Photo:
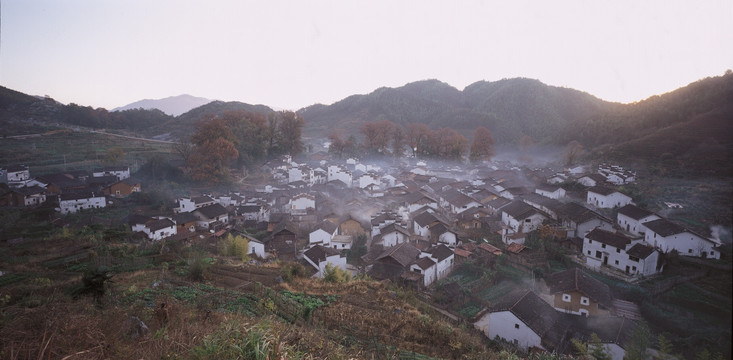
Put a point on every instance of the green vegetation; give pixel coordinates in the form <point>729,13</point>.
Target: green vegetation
<point>234,246</point>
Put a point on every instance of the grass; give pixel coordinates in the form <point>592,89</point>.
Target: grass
<point>74,150</point>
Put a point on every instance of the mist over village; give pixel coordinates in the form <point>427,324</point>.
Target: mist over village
<point>367,196</point>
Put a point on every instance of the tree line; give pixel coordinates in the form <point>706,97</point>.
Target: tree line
<point>242,139</point>
<point>385,138</point>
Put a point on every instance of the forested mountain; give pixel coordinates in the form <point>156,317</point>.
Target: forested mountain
<point>509,108</point>
<point>173,105</point>
<point>184,125</point>
<point>687,128</point>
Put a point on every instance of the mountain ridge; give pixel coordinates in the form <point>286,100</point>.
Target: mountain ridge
<point>172,105</point>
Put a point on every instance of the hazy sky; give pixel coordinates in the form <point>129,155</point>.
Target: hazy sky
<point>290,54</point>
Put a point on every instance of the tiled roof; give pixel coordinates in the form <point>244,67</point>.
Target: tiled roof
<point>609,238</point>
<point>577,280</point>
<point>640,251</point>
<point>212,211</point>
<point>405,254</point>
<point>634,212</point>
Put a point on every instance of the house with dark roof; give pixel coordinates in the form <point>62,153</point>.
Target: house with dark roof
<point>25,196</point>
<point>615,333</point>
<point>320,256</point>
<point>209,215</point>
<point>606,198</point>
<point>122,188</point>
<point>185,222</point>
<point>608,249</point>
<point>580,220</point>
<point>527,321</point>
<point>550,191</point>
<point>120,172</point>
<point>73,202</point>
<point>592,180</point>
<point>323,233</point>
<point>519,218</point>
<point>631,218</point>
<point>160,229</point>
<point>393,261</point>
<point>576,292</point>
<point>391,235</point>
<point>193,203</point>
<point>667,236</point>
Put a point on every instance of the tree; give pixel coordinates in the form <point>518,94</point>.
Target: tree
<point>482,147</point>
<point>290,129</point>
<point>113,156</point>
<point>593,349</point>
<point>417,137</point>
<point>338,144</point>
<point>210,162</point>
<point>640,341</point>
<point>234,246</point>
<point>526,144</point>
<point>335,274</point>
<point>399,140</point>
<point>572,151</point>
<point>377,136</point>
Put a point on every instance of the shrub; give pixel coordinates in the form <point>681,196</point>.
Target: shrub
<point>234,246</point>
<point>291,271</point>
<point>197,267</point>
<point>335,274</point>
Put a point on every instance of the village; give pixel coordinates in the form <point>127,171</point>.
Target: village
<point>416,223</point>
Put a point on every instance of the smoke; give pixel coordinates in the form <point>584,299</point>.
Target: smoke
<point>722,233</point>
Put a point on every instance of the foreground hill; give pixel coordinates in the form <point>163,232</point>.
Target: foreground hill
<point>173,105</point>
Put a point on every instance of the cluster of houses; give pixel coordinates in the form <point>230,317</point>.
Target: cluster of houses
<point>574,305</point>
<point>70,191</point>
<point>417,222</point>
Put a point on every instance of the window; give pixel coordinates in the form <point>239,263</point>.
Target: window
<point>689,251</point>
<point>603,246</point>
<point>516,326</point>
<point>527,220</point>
<point>566,297</point>
<point>618,251</point>
<point>590,241</point>
<point>616,262</point>
<point>598,254</point>
<point>584,300</point>
<point>588,252</point>
<point>633,268</point>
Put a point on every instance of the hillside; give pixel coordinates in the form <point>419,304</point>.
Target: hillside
<point>509,108</point>
<point>183,126</point>
<point>173,105</point>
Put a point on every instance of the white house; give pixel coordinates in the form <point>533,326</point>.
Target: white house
<point>550,191</point>
<point>521,318</point>
<point>441,233</point>
<point>323,233</point>
<point>581,220</point>
<point>606,198</point>
<point>299,204</point>
<point>368,179</point>
<point>254,212</point>
<point>633,257</point>
<point>391,235</point>
<point>521,217</point>
<point>16,174</point>
<point>159,229</point>
<point>73,202</point>
<point>256,247</point>
<point>632,218</point>
<point>121,172</point>
<point>207,216</point>
<point>320,256</point>
<point>421,224</point>
<point>592,180</point>
<point>193,203</point>
<point>667,236</point>
<point>340,173</point>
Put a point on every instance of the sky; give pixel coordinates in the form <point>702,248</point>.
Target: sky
<point>291,54</point>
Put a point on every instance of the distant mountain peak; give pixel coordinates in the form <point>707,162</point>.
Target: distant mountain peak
<point>172,105</point>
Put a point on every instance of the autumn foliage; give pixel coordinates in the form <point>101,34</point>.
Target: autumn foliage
<point>243,139</point>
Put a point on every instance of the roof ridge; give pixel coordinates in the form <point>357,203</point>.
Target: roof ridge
<point>520,299</point>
